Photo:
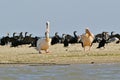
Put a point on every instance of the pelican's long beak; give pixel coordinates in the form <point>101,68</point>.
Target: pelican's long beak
<point>47,26</point>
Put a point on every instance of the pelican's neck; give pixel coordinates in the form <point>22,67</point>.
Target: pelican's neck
<point>89,33</point>
<point>46,35</point>
<point>47,31</point>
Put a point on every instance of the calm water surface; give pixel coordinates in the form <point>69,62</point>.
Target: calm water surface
<point>60,72</point>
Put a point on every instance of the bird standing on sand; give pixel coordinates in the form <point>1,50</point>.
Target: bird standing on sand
<point>87,39</point>
<point>44,44</point>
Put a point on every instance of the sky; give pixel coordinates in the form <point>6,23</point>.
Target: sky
<point>65,16</point>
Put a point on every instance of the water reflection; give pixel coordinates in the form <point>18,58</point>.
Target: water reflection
<point>60,72</point>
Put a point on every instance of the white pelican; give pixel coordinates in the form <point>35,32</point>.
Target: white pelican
<point>44,44</point>
<point>87,39</point>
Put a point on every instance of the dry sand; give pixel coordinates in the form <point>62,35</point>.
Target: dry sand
<point>74,54</point>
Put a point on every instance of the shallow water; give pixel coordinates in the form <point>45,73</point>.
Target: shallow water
<point>60,72</point>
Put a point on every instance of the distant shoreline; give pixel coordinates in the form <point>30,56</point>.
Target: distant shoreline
<point>34,64</point>
<point>62,64</point>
